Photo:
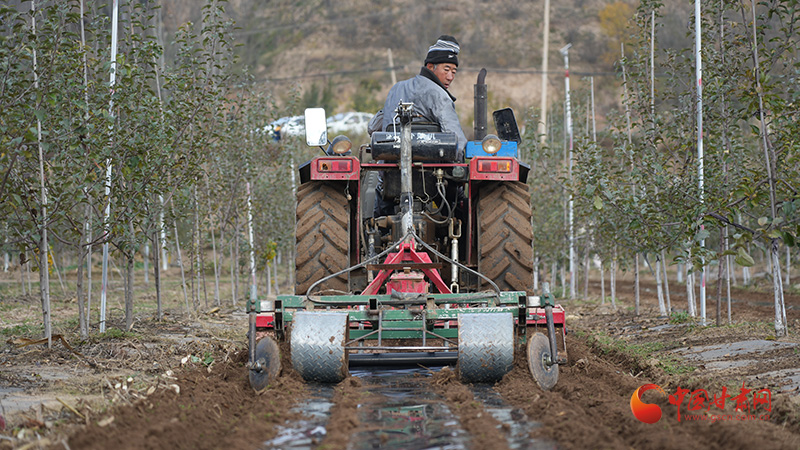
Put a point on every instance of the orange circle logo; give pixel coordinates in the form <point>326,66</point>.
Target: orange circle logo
<point>645,412</point>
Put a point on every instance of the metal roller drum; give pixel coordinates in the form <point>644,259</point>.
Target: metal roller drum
<point>485,346</point>
<point>317,343</point>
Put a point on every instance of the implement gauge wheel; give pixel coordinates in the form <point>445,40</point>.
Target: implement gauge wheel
<point>317,342</point>
<point>323,215</point>
<point>505,236</point>
<point>546,376</point>
<point>268,361</point>
<point>485,346</point>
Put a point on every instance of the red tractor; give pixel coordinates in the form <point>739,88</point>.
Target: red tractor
<point>440,271</point>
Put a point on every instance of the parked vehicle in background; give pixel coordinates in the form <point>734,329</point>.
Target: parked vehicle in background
<point>349,123</point>
<point>290,126</point>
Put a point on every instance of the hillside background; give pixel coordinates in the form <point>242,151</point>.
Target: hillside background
<point>335,53</point>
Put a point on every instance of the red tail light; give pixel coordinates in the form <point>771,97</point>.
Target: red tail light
<point>334,165</point>
<point>495,165</point>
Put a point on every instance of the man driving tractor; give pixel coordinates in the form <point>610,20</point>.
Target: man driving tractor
<point>433,103</point>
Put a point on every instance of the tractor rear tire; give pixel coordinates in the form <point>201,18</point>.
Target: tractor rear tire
<point>323,237</point>
<point>505,236</point>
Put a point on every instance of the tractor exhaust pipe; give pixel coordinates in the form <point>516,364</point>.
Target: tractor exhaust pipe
<point>481,108</point>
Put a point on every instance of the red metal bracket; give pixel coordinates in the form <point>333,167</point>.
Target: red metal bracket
<point>265,320</point>
<point>406,253</point>
<point>559,316</point>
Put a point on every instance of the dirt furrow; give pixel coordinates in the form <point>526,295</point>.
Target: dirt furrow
<point>209,410</point>
<point>486,431</point>
<point>590,408</point>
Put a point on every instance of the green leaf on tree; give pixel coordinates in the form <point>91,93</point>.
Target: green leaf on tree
<point>788,239</point>
<point>598,203</point>
<point>744,259</point>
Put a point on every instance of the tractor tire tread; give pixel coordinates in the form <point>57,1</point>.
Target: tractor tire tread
<point>322,245</point>
<point>505,236</point>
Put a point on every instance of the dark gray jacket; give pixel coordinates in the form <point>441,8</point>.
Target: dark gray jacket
<point>431,101</point>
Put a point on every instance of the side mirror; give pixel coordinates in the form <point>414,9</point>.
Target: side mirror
<point>316,127</point>
<point>506,125</point>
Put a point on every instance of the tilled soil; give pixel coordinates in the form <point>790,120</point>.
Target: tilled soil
<point>486,431</point>
<point>198,405</point>
<point>344,414</point>
<point>211,410</point>
<point>590,408</point>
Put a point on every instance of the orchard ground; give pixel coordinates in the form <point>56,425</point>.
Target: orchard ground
<point>181,382</point>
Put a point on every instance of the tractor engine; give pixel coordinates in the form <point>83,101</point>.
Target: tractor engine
<point>438,192</point>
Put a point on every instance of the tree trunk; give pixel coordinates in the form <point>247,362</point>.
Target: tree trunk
<point>777,289</point>
<point>236,249</point>
<point>203,276</point>
<point>89,263</point>
<point>636,284</point>
<point>690,294</point>
<point>130,256</point>
<point>719,281</point>
<point>728,272</point>
<point>180,264</point>
<point>84,330</point>
<point>196,267</point>
<point>662,306</point>
<point>28,277</point>
<point>771,161</point>
<point>234,284</point>
<point>162,233</point>
<point>613,280</point>
<point>58,274</point>
<point>6,257</point>
<point>656,272</point>
<point>586,261</point>
<point>146,260</point>
<point>602,284</point>
<point>666,280</point>
<point>290,270</point>
<point>277,283</point>
<point>129,291</point>
<point>157,277</point>
<point>22,272</point>
<point>192,260</point>
<point>44,268</point>
<point>788,281</point>
<point>44,289</point>
<point>746,270</point>
<point>213,246</point>
<point>269,279</point>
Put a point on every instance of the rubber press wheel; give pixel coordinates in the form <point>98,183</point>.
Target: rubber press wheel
<point>269,361</point>
<point>546,376</point>
<point>323,214</point>
<point>505,236</point>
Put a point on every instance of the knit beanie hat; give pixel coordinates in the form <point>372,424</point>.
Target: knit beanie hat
<point>445,50</point>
